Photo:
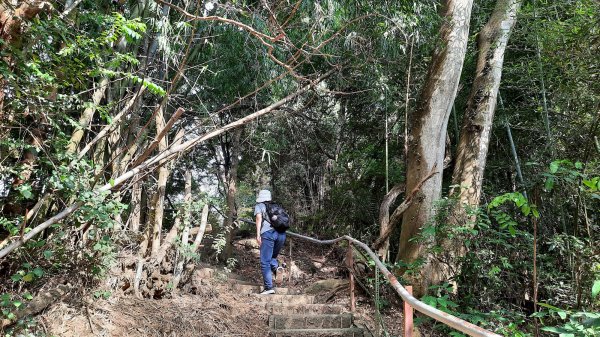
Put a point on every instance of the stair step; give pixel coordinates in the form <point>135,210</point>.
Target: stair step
<point>288,299</point>
<point>255,289</point>
<point>349,332</point>
<point>303,309</point>
<point>310,321</point>
<point>233,281</point>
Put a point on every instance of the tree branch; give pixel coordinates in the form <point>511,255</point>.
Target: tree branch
<point>394,219</point>
<point>159,159</point>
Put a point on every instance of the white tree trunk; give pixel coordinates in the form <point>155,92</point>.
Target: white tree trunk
<point>475,135</point>
<point>428,128</point>
<point>163,175</point>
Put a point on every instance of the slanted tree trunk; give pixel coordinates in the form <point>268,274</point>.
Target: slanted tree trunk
<point>475,134</point>
<point>87,116</point>
<point>428,130</point>
<point>384,219</point>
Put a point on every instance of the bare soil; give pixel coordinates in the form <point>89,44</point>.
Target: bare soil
<point>212,309</point>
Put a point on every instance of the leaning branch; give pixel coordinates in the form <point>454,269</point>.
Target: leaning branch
<point>394,219</point>
<point>160,158</point>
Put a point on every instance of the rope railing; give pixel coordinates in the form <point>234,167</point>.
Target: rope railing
<point>438,315</point>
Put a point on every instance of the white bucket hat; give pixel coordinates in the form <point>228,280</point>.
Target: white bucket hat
<point>263,195</point>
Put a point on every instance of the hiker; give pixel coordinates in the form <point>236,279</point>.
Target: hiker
<point>270,241</point>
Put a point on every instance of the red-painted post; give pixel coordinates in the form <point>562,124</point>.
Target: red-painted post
<point>408,316</point>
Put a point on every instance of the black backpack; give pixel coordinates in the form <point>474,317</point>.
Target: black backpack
<point>277,217</point>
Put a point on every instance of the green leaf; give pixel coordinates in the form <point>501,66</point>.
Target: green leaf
<point>549,184</point>
<point>17,304</point>
<point>554,166</point>
<point>27,296</point>
<point>526,210</point>
<point>48,254</point>
<point>596,289</point>
<point>562,314</point>
<point>549,306</point>
<point>512,230</point>
<point>28,277</point>
<point>578,165</point>
<point>39,272</point>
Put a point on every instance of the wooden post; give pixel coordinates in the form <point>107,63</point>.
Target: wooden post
<point>350,261</point>
<point>289,268</point>
<point>408,316</point>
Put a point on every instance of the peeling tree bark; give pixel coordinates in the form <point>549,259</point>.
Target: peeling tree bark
<point>163,175</point>
<point>428,132</point>
<point>475,135</point>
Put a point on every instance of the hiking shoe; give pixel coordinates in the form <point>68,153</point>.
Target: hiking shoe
<point>279,275</point>
<point>268,292</point>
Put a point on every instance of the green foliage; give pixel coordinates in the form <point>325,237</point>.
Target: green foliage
<point>577,323</point>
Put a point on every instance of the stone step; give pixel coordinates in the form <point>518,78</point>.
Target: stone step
<point>233,281</point>
<point>349,332</point>
<point>280,322</point>
<point>287,299</point>
<point>303,309</point>
<point>255,289</point>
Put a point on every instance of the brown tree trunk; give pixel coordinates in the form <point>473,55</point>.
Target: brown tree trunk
<point>475,134</point>
<point>428,130</point>
<point>231,192</point>
<point>136,205</point>
<point>182,220</point>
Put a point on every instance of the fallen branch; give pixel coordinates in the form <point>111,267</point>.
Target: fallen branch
<point>160,158</point>
<point>160,136</point>
<point>38,304</point>
<point>395,218</point>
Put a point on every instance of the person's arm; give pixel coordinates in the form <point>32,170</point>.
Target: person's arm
<point>258,223</point>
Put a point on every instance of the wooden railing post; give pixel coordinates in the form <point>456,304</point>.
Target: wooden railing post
<point>350,262</point>
<point>289,267</point>
<point>408,316</point>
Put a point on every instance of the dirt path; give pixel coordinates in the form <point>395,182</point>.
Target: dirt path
<point>210,307</point>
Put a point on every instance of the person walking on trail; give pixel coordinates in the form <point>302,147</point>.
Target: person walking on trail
<point>270,241</point>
